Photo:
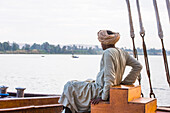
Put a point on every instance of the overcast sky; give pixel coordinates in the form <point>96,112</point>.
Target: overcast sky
<point>78,21</point>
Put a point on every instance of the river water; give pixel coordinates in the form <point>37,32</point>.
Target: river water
<point>48,74</point>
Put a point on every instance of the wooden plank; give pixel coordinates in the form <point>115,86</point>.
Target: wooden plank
<point>100,108</point>
<point>17,108</point>
<point>151,106</point>
<point>142,100</point>
<point>134,108</point>
<point>163,109</point>
<point>126,87</point>
<point>34,109</point>
<point>20,102</point>
<point>31,107</point>
<point>13,94</point>
<point>134,93</point>
<point>119,97</point>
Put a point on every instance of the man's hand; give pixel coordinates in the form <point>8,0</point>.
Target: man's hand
<point>95,100</point>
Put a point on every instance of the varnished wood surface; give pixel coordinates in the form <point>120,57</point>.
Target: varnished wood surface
<point>120,101</point>
<point>20,102</point>
<point>158,111</point>
<point>45,104</point>
<point>151,106</point>
<point>142,100</point>
<point>35,110</point>
<point>124,87</point>
<point>163,109</point>
<point>13,94</point>
<point>134,93</point>
<point>31,107</point>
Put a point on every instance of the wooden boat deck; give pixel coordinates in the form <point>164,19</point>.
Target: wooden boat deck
<point>131,102</point>
<point>31,103</point>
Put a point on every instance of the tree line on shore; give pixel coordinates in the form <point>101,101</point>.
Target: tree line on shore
<point>46,48</point>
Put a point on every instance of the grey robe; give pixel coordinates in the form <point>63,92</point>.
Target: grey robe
<point>77,94</point>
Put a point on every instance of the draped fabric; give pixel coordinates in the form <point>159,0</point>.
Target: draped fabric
<point>105,38</point>
<point>77,94</point>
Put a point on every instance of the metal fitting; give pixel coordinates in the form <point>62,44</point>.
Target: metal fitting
<point>3,91</point>
<point>20,92</point>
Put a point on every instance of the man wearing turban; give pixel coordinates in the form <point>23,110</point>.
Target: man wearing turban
<point>78,95</point>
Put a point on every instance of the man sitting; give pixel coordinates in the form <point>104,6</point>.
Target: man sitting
<point>78,95</point>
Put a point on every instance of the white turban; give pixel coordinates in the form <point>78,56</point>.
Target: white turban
<point>105,38</point>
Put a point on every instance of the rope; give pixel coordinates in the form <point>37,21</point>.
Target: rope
<point>168,8</point>
<point>132,34</point>
<point>160,33</point>
<point>130,20</point>
<point>142,34</point>
<point>142,31</point>
<point>165,62</point>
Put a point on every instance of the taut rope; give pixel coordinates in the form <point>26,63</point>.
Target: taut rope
<point>160,33</point>
<point>168,8</point>
<point>135,54</point>
<point>142,34</point>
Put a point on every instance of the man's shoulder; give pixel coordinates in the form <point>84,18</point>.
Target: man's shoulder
<point>114,50</point>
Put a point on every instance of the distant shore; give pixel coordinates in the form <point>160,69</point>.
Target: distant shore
<point>46,48</point>
<point>77,53</point>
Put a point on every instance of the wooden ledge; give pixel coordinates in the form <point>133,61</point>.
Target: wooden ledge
<point>83,112</point>
<point>31,107</point>
<point>125,87</point>
<point>142,100</point>
<point>26,98</point>
<point>126,99</point>
<point>167,109</point>
<point>104,102</point>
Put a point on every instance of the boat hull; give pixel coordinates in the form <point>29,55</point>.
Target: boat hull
<point>35,103</point>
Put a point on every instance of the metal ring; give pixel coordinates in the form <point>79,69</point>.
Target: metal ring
<point>142,34</point>
<point>152,94</point>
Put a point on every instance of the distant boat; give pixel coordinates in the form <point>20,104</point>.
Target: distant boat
<point>73,56</point>
<point>42,56</point>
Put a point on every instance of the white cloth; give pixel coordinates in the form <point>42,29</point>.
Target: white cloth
<point>105,38</point>
<point>63,111</point>
<point>77,94</point>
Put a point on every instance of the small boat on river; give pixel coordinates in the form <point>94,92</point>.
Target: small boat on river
<point>73,56</point>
